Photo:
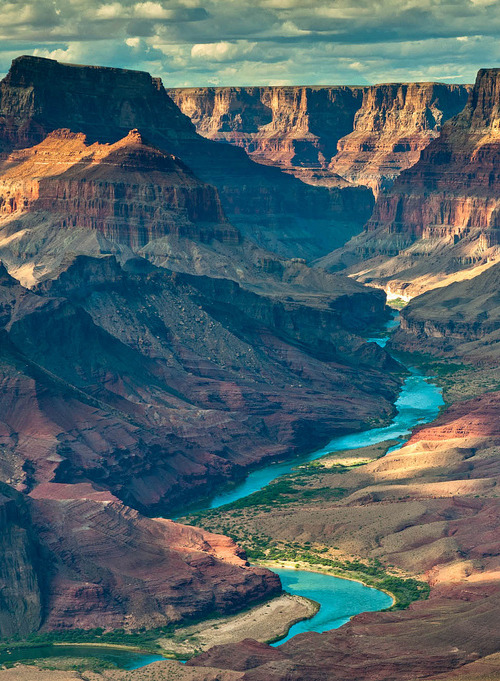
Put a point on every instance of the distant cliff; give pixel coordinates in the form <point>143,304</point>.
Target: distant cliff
<point>441,216</point>
<point>366,135</point>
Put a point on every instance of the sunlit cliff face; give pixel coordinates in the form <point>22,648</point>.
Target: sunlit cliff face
<point>223,42</point>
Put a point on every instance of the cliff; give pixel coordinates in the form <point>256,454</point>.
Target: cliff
<point>39,96</point>
<point>439,221</point>
<point>290,127</point>
<point>460,320</point>
<point>365,135</point>
<point>394,123</point>
<point>21,571</point>
<point>153,414</point>
<point>108,566</point>
<point>74,557</point>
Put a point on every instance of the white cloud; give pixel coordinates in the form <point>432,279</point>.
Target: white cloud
<point>261,41</point>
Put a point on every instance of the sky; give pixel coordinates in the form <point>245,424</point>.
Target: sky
<point>261,42</point>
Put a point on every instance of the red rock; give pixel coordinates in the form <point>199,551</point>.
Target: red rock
<point>365,135</point>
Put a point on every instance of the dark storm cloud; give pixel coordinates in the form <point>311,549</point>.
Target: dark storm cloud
<point>261,41</point>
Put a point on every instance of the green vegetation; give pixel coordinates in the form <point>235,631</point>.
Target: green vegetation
<point>145,640</point>
<point>397,303</point>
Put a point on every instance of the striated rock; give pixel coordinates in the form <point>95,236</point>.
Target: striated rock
<point>129,191</point>
<point>110,567</point>
<point>365,135</point>
<point>290,127</point>
<point>74,557</point>
<point>21,575</point>
<point>270,207</point>
<point>439,221</point>
<point>394,123</point>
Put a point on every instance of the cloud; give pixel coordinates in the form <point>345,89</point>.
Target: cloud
<point>196,42</point>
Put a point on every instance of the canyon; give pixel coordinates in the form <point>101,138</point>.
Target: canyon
<point>151,352</point>
<point>162,334</point>
<point>268,206</point>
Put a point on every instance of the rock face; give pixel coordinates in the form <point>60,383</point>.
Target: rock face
<point>128,191</point>
<point>39,96</point>
<point>21,604</point>
<point>459,320</point>
<point>395,122</point>
<point>441,215</point>
<point>171,417</point>
<point>365,135</point>
<point>284,126</point>
<point>111,567</point>
<point>74,557</point>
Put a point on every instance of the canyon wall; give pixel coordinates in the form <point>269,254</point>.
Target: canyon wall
<point>365,135</point>
<point>439,221</point>
<point>461,320</point>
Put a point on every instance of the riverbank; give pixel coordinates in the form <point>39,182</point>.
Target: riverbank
<point>266,623</point>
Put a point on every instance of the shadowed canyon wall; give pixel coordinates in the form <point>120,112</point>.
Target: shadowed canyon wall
<point>270,207</point>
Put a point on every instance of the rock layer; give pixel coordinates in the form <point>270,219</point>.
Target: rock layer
<point>394,124</point>
<point>271,208</point>
<point>128,191</point>
<point>152,413</point>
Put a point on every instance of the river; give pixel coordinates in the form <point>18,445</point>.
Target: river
<point>418,402</point>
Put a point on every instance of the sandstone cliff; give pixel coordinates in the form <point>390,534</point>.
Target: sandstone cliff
<point>439,221</point>
<point>270,207</point>
<point>129,191</point>
<point>365,135</point>
<point>283,126</point>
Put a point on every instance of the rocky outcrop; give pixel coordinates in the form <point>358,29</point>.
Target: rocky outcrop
<point>110,567</point>
<point>39,96</point>
<point>74,557</point>
<point>441,216</point>
<point>366,135</point>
